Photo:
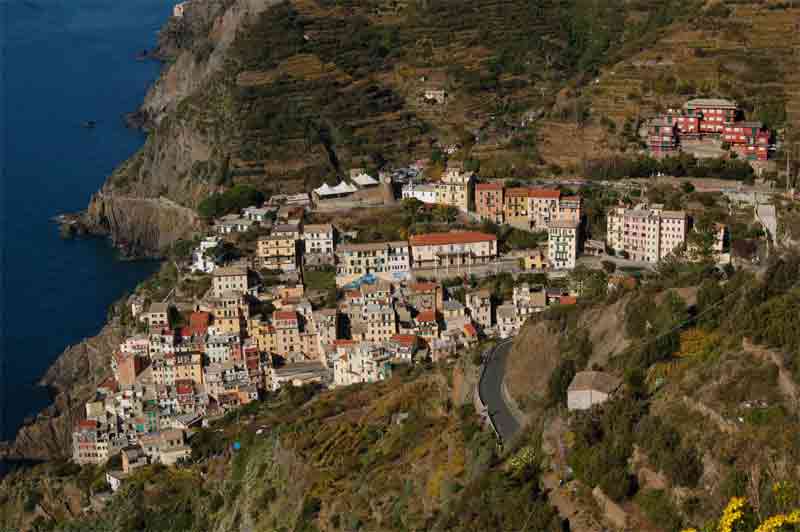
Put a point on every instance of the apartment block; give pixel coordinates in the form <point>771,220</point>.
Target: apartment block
<point>456,188</point>
<point>389,261</point>
<point>489,202</point>
<point>562,243</point>
<point>646,232</point>
<point>458,248</point>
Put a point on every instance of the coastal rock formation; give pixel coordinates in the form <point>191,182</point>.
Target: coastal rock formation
<point>73,379</point>
<point>196,44</point>
<point>140,226</point>
<point>146,204</point>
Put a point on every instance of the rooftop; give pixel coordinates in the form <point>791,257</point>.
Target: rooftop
<point>427,316</point>
<point>230,271</point>
<point>373,246</point>
<point>489,186</point>
<point>720,103</point>
<point>594,380</point>
<point>318,228</point>
<point>456,237</point>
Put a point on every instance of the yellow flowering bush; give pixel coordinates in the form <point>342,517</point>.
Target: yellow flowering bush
<point>776,522</point>
<point>732,513</point>
<point>738,517</point>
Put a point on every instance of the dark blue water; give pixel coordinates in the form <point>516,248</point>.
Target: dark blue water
<point>64,62</point>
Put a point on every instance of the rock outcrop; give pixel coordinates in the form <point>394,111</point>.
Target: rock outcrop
<point>139,226</point>
<point>73,379</point>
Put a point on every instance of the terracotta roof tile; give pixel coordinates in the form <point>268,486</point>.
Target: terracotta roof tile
<point>427,316</point>
<point>457,237</point>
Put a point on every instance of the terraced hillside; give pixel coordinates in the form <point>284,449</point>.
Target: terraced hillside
<point>748,51</point>
<point>309,88</point>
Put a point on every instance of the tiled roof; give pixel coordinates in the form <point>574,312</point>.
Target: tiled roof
<point>544,193</point>
<point>424,287</point>
<point>285,315</point>
<point>489,186</point>
<point>405,339</point>
<point>457,237</point>
<point>594,380</point>
<point>568,300</point>
<point>427,316</point>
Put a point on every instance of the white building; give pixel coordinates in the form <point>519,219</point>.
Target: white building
<point>318,238</point>
<point>424,193</point>
<point>589,388</point>
<point>562,243</point>
<point>179,9</point>
<point>257,214</point>
<point>201,259</point>
<point>508,321</point>
<point>232,223</point>
<point>363,362</point>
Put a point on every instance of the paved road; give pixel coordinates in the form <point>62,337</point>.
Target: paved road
<point>492,395</point>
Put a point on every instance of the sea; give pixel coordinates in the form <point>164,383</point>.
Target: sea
<point>63,63</point>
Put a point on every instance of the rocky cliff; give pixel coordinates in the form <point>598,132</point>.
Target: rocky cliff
<point>73,379</point>
<point>147,203</point>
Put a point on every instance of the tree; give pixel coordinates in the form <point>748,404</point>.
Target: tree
<point>559,381</point>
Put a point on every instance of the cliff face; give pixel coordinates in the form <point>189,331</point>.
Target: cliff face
<point>73,379</point>
<point>197,46</point>
<point>146,204</point>
<point>140,226</point>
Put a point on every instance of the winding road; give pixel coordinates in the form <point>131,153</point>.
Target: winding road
<point>491,391</point>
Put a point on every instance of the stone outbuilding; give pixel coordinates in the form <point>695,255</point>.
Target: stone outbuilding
<point>589,388</point>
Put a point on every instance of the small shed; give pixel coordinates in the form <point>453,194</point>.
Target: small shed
<point>589,388</point>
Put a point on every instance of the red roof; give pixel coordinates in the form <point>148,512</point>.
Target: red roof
<point>184,389</point>
<point>568,300</point>
<point>517,192</point>
<point>198,322</point>
<point>344,342</point>
<point>87,424</point>
<point>544,193</point>
<point>470,330</point>
<point>571,198</point>
<point>456,237</point>
<point>489,186</point>
<point>185,332</point>
<point>405,339</point>
<point>285,315</point>
<point>424,287</point>
<point>427,315</point>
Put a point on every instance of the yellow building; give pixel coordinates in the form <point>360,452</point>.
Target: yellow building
<point>189,366</point>
<point>456,188</point>
<point>278,252</point>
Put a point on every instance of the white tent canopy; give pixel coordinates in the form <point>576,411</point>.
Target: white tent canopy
<point>339,190</point>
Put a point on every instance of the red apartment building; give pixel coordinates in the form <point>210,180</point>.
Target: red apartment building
<point>489,201</point>
<point>662,136</point>
<point>712,112</point>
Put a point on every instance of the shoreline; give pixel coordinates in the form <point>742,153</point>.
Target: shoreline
<point>45,435</point>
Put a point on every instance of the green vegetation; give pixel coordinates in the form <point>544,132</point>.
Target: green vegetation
<point>619,167</point>
<point>232,200</point>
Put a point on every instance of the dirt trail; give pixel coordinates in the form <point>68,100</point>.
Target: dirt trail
<point>788,387</point>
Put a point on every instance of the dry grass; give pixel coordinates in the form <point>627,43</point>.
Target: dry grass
<point>532,359</point>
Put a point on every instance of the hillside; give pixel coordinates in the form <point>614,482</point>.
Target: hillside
<point>286,95</point>
<point>399,455</point>
<point>710,405</point>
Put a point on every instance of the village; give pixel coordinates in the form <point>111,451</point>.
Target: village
<point>291,299</point>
